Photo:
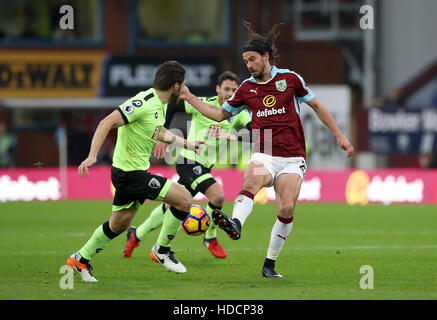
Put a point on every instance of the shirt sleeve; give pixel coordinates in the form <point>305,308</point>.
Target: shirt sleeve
<point>189,108</point>
<point>132,109</point>
<point>241,119</point>
<point>303,92</point>
<point>235,104</point>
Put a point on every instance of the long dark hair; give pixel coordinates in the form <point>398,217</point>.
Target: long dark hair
<point>263,43</point>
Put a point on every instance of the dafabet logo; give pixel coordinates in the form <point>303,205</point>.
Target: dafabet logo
<point>269,101</point>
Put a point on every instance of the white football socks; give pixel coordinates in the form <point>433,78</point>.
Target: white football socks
<point>243,206</point>
<point>280,231</point>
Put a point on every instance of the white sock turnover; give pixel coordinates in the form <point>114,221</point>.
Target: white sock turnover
<point>243,206</point>
<point>280,231</point>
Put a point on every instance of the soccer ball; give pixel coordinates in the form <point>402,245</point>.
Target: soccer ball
<point>197,222</point>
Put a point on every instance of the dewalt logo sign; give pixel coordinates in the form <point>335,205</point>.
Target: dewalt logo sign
<point>49,74</point>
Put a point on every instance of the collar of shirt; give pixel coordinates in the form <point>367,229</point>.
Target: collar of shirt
<point>273,73</point>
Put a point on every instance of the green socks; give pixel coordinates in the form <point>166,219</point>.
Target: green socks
<point>153,222</point>
<point>170,226</point>
<point>212,230</point>
<point>98,241</point>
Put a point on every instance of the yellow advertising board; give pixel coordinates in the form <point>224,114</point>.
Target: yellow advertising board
<point>50,74</point>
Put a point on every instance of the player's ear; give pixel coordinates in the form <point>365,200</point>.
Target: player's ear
<point>266,56</point>
<point>217,89</point>
<point>179,85</point>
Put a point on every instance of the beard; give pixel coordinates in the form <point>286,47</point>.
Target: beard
<point>222,98</point>
<point>260,74</point>
<point>174,98</point>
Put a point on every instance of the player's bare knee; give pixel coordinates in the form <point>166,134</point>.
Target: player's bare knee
<point>217,199</point>
<point>215,194</point>
<point>120,221</point>
<point>286,210</point>
<point>248,182</point>
<point>252,185</point>
<point>185,202</point>
<point>119,226</point>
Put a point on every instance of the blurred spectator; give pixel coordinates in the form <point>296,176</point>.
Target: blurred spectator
<point>429,160</point>
<point>393,99</point>
<point>8,143</point>
<point>378,102</point>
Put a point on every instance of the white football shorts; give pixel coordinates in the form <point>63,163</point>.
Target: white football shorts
<point>279,165</point>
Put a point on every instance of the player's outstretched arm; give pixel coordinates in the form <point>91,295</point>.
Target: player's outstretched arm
<point>159,149</point>
<point>169,137</point>
<point>328,120</point>
<point>112,121</point>
<point>208,110</point>
<point>172,109</point>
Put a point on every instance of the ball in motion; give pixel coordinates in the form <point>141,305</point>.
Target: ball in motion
<point>196,222</point>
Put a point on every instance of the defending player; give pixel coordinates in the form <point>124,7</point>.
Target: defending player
<point>195,169</point>
<point>139,121</point>
<point>273,96</point>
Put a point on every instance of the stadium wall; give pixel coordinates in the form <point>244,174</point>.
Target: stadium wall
<point>405,39</point>
<point>355,187</point>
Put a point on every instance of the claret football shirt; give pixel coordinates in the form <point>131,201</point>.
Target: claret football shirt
<point>275,110</point>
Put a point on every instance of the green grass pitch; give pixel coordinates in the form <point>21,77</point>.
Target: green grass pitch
<point>321,259</point>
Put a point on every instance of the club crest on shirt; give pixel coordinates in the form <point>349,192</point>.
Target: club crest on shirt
<point>197,170</point>
<point>137,103</point>
<point>281,85</point>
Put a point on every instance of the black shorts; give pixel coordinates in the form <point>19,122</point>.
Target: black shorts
<point>194,177</point>
<point>137,186</point>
